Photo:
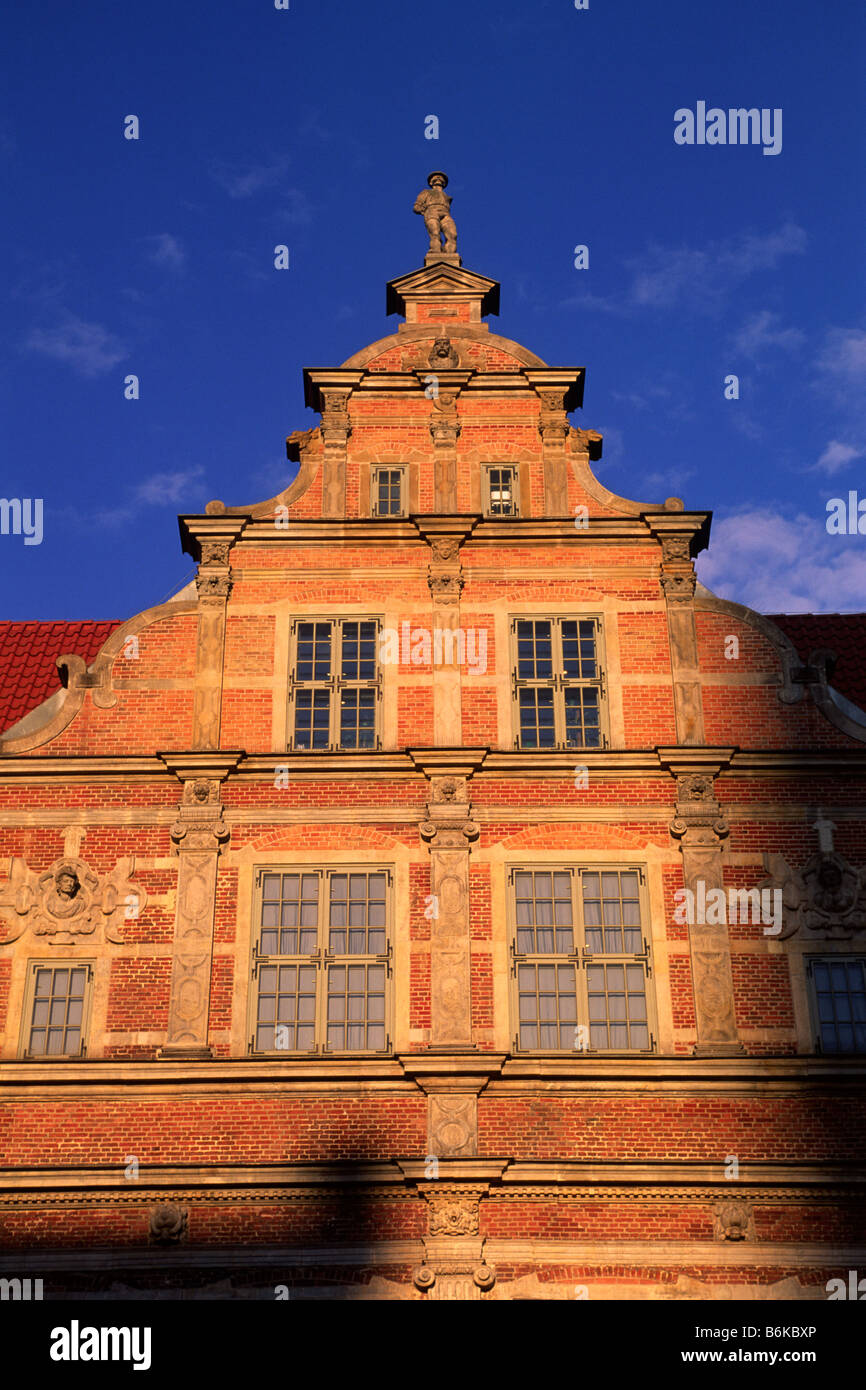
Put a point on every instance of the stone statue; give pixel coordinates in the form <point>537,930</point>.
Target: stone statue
<point>434,205</point>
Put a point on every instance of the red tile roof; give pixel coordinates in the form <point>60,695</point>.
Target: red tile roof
<point>843,633</point>
<point>27,655</point>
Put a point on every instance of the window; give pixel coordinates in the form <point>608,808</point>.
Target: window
<point>501,491</point>
<point>55,1010</point>
<point>335,685</point>
<point>558,682</point>
<point>387,497</point>
<point>839,1003</point>
<point>580,961</point>
<point>322,961</point>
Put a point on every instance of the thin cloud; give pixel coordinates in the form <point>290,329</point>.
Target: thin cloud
<point>158,490</point>
<point>762,334</point>
<point>166,250</point>
<point>296,208</point>
<point>245,180</point>
<point>169,487</point>
<point>695,278</point>
<point>700,278</point>
<point>779,563</point>
<point>837,456</point>
<point>89,348</point>
<point>842,361</point>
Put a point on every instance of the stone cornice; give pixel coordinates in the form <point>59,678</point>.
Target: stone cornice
<point>504,1179</point>
<point>518,1075</point>
<point>304,532</point>
<point>612,762</point>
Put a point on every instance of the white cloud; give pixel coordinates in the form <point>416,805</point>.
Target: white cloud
<point>88,348</point>
<point>169,487</point>
<point>784,564</point>
<point>762,333</point>
<point>843,358</point>
<point>166,250</point>
<point>837,456</point>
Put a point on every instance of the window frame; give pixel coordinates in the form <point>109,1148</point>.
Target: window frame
<point>515,491</point>
<point>831,958</point>
<point>29,1001</point>
<point>375,470</point>
<point>322,959</point>
<point>559,681</point>
<point>335,684</point>
<point>580,957</point>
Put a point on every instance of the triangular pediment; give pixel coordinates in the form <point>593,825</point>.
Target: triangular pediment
<point>439,280</point>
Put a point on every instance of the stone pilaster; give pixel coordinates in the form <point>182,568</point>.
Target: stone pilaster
<point>678,585</point>
<point>213,584</point>
<point>449,832</point>
<point>444,431</point>
<point>553,427</point>
<point>701,829</point>
<point>198,835</point>
<point>445,580</point>
<point>335,435</point>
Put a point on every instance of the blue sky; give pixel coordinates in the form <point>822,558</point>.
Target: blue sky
<point>306,127</point>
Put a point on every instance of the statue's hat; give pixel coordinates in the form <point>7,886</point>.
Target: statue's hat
<point>437,173</point>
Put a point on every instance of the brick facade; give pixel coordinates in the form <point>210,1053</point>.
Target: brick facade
<point>718,1161</point>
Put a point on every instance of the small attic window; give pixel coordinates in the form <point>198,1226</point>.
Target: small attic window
<point>501,498</point>
<point>388,492</point>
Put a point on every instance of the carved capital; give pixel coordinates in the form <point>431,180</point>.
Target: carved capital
<point>213,584</point>
<point>215,553</point>
<point>678,586</point>
<point>445,432</point>
<point>452,1212</point>
<point>445,588</point>
<point>335,425</point>
<point>446,835</point>
<point>675,550</point>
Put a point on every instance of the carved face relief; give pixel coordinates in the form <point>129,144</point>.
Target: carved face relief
<point>68,900</point>
<point>676,549</point>
<point>445,547</point>
<point>694,788</point>
<point>443,355</point>
<point>168,1224</point>
<point>733,1221</point>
